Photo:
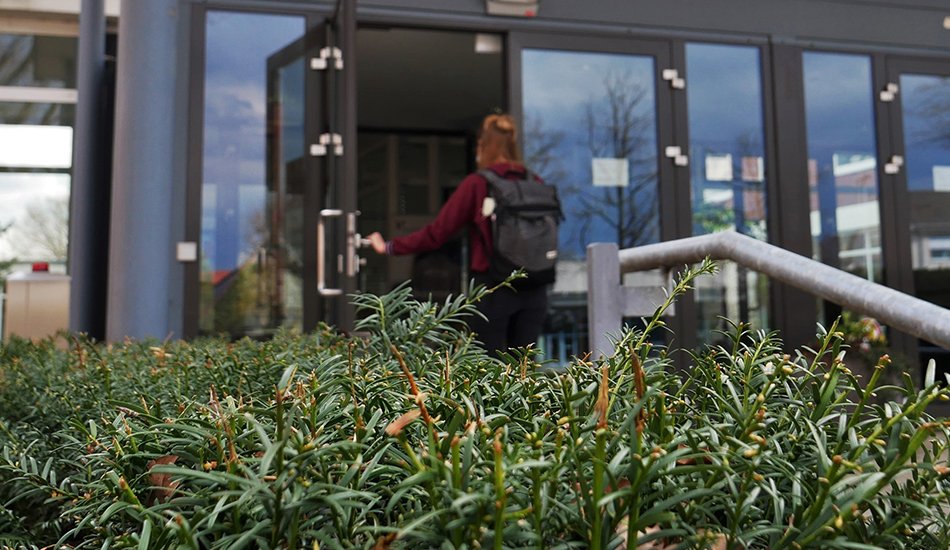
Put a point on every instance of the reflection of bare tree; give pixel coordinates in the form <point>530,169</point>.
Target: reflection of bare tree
<point>5,265</point>
<point>44,230</point>
<point>619,125</point>
<point>541,150</point>
<point>933,105</point>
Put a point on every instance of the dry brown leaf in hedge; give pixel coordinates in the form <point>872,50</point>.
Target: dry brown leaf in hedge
<point>396,426</point>
<point>162,485</point>
<point>383,542</point>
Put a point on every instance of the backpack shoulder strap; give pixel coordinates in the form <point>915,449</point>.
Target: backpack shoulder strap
<point>490,176</point>
<point>495,182</point>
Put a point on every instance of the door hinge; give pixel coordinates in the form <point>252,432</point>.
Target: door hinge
<point>326,54</point>
<point>889,92</point>
<point>894,165</point>
<point>319,149</point>
<point>676,153</point>
<point>673,77</point>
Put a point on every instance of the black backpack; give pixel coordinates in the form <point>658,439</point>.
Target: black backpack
<point>524,228</point>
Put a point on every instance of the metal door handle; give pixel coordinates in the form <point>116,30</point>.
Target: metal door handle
<point>321,253</point>
<point>352,242</point>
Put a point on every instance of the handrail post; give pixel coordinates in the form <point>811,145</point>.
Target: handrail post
<point>604,299</point>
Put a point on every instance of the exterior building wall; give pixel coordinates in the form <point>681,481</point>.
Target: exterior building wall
<point>154,203</point>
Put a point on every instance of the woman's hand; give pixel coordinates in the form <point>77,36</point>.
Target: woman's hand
<point>377,242</point>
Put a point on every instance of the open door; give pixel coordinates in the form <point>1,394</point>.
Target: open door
<point>277,117</point>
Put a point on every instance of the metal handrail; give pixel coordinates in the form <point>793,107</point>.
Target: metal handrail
<point>901,311</point>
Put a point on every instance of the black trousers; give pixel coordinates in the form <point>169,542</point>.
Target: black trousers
<point>514,316</point>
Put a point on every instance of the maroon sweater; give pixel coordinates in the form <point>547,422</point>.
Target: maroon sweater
<point>463,208</point>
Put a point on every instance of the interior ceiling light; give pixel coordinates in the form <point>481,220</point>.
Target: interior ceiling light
<point>512,8</point>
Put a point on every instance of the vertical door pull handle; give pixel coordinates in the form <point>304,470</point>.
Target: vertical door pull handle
<point>322,252</point>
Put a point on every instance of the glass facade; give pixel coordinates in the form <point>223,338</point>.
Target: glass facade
<point>36,144</point>
<point>251,194</point>
<point>35,162</point>
<point>727,175</point>
<point>590,127</point>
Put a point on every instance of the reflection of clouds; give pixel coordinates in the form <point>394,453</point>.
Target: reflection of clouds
<point>239,43</point>
<point>562,82</point>
<point>839,102</point>
<point>558,89</point>
<point>236,101</point>
<point>832,68</point>
<point>724,92</point>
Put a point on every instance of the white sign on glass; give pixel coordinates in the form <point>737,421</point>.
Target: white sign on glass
<point>753,169</point>
<point>718,167</point>
<point>941,178</point>
<point>610,172</point>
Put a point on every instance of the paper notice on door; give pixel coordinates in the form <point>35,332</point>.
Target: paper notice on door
<point>942,178</point>
<point>610,172</point>
<point>753,169</point>
<point>718,167</point>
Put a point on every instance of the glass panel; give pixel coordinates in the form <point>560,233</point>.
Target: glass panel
<point>925,100</point>
<point>52,114</point>
<point>285,186</point>
<point>34,218</point>
<point>35,157</point>
<point>250,236</point>
<point>728,176</point>
<point>842,162</point>
<point>590,129</point>
<point>45,61</point>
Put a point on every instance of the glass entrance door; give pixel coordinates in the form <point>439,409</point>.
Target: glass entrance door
<point>276,212</point>
<point>252,174</point>
<point>281,261</point>
<point>595,120</point>
<point>920,166</point>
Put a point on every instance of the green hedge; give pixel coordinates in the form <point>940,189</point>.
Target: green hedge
<point>413,437</point>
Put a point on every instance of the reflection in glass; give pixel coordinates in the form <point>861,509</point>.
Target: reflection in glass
<point>727,175</point>
<point>925,103</point>
<point>252,156</point>
<point>590,129</point>
<point>42,61</point>
<point>843,186</point>
<point>52,114</point>
<point>34,217</point>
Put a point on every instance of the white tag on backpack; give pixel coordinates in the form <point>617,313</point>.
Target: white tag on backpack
<point>488,207</point>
